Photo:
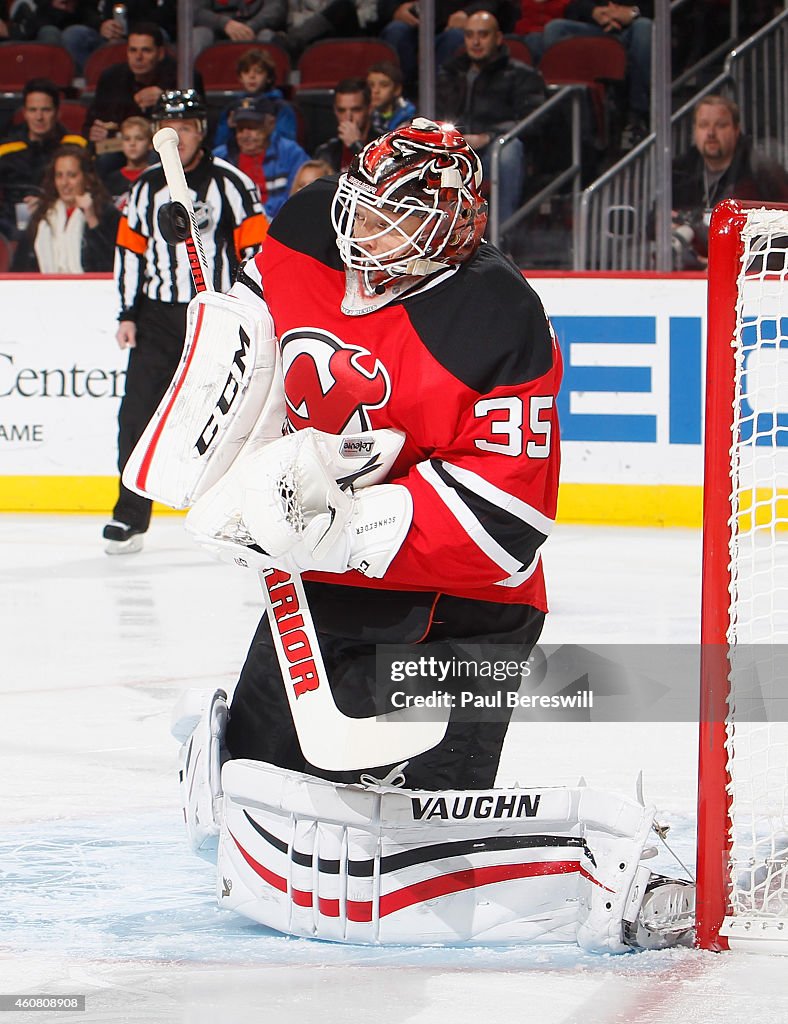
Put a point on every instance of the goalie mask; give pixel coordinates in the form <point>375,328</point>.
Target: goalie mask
<point>408,206</point>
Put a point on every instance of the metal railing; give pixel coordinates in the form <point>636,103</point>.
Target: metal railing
<point>571,94</point>
<point>760,71</point>
<point>615,213</point>
<point>708,59</point>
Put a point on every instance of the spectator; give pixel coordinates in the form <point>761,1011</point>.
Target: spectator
<point>28,149</point>
<point>268,159</point>
<point>631,26</point>
<point>108,26</point>
<point>18,20</point>
<point>309,172</point>
<point>241,21</point>
<point>131,88</point>
<point>351,109</point>
<point>721,164</point>
<point>400,21</point>
<point>484,92</point>
<point>534,15</point>
<point>136,135</point>
<point>73,228</point>
<point>310,20</point>
<point>54,21</point>
<point>389,109</point>
<point>257,77</point>
<point>163,13</point>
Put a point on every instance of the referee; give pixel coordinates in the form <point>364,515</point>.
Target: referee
<point>155,282</point>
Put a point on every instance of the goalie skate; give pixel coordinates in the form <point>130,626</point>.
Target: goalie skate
<point>666,915</point>
<point>200,721</point>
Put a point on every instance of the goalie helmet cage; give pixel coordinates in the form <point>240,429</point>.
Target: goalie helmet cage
<point>743,756</point>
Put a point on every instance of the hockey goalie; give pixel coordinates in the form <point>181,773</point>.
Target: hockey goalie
<point>390,466</point>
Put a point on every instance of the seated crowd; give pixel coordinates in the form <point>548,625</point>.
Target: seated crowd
<point>61,189</point>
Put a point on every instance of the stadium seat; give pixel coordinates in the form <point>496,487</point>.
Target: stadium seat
<point>100,60</point>
<point>518,50</point>
<point>592,61</point>
<point>217,63</point>
<point>326,62</point>
<point>71,115</point>
<point>6,254</point>
<point>22,61</point>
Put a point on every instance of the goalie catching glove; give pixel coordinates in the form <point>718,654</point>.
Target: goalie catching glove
<point>291,503</point>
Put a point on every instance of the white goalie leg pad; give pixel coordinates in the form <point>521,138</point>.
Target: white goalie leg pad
<point>617,831</point>
<point>227,386</point>
<point>379,865</point>
<point>199,721</point>
<point>289,502</point>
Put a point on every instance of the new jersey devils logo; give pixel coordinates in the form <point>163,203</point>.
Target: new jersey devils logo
<point>330,384</point>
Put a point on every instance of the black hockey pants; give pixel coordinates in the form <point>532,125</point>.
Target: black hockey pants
<point>350,621</point>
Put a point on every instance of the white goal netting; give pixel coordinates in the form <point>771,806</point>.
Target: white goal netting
<point>757,726</point>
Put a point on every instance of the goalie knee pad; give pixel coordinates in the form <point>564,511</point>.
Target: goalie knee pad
<point>199,722</point>
<point>379,865</point>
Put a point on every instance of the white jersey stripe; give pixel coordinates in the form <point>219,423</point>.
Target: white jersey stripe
<point>508,502</point>
<point>468,521</point>
<point>519,578</point>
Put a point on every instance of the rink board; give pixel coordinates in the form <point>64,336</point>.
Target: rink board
<point>630,408</point>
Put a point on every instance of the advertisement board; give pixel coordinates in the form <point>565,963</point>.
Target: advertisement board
<point>630,408</point>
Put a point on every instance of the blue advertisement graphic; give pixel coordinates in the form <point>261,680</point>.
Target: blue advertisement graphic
<point>685,401</point>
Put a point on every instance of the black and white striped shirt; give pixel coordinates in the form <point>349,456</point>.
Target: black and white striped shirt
<point>232,225</point>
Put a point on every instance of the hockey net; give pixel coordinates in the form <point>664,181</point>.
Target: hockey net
<point>743,768</point>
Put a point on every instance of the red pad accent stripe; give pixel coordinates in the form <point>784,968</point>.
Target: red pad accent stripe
<point>300,897</point>
<point>473,878</point>
<point>429,889</point>
<point>277,881</point>
<point>142,475</point>
<point>359,911</point>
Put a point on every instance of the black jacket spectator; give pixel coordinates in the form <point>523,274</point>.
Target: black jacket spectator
<point>582,10</point>
<point>22,164</point>
<point>502,93</point>
<point>23,160</point>
<point>696,191</point>
<point>161,12</point>
<point>506,12</point>
<point>749,176</point>
<point>115,89</point>
<point>44,12</point>
<point>257,14</point>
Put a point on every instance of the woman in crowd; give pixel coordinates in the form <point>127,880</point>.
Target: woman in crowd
<point>72,230</point>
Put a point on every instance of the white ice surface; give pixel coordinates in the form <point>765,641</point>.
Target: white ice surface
<point>100,896</point>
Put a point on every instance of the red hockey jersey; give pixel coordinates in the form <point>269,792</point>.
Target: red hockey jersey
<point>467,369</point>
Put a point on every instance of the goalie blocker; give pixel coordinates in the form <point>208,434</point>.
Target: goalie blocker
<point>380,865</point>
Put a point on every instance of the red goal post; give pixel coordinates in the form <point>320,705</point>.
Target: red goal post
<point>743,756</point>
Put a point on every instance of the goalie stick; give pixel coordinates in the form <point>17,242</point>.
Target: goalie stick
<point>329,739</point>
